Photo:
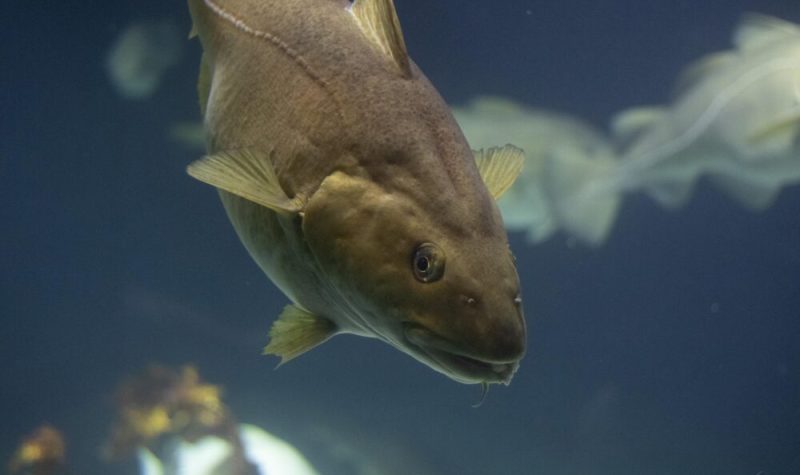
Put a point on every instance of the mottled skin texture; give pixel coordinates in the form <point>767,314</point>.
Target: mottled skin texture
<point>382,167</point>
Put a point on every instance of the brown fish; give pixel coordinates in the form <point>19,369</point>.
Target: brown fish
<point>350,184</point>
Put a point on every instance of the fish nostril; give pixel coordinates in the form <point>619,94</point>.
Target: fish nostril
<point>471,301</point>
<point>518,301</point>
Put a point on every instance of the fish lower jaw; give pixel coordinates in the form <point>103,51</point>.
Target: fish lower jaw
<point>458,366</point>
<point>469,370</point>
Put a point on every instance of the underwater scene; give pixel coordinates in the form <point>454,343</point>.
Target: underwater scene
<point>400,237</point>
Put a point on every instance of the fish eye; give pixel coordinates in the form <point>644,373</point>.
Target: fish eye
<point>428,262</point>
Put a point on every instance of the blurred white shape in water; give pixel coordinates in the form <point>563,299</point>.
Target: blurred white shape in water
<point>563,156</point>
<point>208,456</point>
<point>736,119</point>
<point>141,55</point>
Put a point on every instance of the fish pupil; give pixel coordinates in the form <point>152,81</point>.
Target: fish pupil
<point>423,264</point>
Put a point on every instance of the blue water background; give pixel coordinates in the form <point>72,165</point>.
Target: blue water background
<point>674,348</point>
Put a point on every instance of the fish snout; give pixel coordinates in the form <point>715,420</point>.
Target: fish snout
<point>481,347</point>
<point>496,331</point>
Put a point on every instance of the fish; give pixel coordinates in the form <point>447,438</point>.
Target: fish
<point>350,184</point>
<point>735,119</point>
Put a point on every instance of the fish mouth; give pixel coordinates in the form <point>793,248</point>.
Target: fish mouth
<point>445,357</point>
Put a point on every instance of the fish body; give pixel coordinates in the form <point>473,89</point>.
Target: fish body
<point>350,184</point>
<point>736,118</point>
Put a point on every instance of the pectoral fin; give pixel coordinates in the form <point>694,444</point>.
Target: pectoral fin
<point>246,174</point>
<point>499,167</point>
<point>297,331</point>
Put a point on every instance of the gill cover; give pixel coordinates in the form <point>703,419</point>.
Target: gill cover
<point>351,227</point>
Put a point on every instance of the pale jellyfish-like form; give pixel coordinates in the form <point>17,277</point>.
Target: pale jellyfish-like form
<point>561,154</point>
<point>735,120</point>
<point>141,55</point>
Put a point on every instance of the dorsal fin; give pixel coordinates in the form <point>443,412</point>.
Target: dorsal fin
<point>378,20</point>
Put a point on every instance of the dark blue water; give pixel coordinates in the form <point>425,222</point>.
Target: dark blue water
<point>674,348</point>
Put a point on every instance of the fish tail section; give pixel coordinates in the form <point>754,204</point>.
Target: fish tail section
<point>580,189</point>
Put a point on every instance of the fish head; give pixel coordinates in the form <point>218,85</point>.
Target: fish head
<point>466,317</point>
<point>437,290</point>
